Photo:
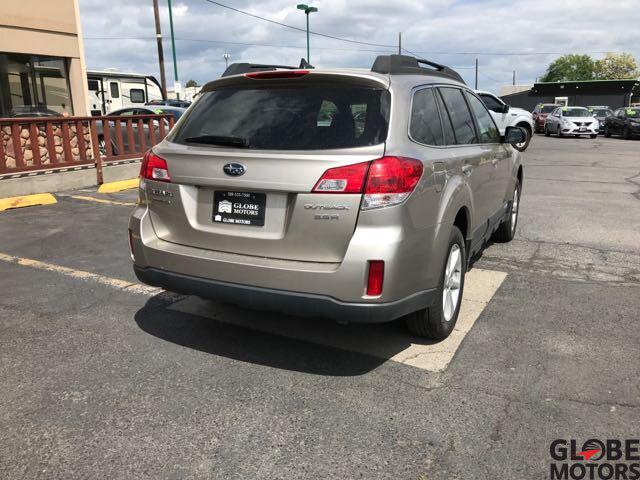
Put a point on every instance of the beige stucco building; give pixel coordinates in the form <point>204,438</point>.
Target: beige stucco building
<point>42,66</point>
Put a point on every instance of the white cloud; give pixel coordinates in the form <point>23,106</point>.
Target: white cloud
<point>452,32</point>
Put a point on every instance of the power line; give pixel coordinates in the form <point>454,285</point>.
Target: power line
<point>299,29</point>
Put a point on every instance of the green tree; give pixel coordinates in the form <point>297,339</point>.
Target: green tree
<point>191,83</point>
<point>571,67</point>
<point>616,66</point>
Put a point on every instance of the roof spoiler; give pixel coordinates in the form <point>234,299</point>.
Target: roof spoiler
<point>242,68</point>
<point>407,65</point>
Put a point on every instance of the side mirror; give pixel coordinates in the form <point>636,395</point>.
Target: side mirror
<point>505,109</point>
<point>514,135</point>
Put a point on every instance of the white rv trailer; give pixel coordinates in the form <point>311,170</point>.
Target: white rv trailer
<point>111,90</point>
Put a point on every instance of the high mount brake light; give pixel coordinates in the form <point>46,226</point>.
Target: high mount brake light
<point>154,168</point>
<point>384,182</point>
<point>276,74</point>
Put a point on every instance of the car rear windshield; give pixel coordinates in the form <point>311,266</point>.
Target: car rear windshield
<point>576,112</point>
<point>286,118</point>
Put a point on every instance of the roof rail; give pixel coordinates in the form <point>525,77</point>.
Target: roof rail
<point>407,65</point>
<point>240,68</point>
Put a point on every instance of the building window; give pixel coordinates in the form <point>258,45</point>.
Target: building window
<point>115,91</point>
<point>136,95</point>
<point>33,85</point>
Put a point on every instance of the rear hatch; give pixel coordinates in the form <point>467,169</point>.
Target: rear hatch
<point>245,159</point>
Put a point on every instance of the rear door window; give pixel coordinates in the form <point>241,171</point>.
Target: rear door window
<point>460,115</point>
<point>449,135</point>
<point>290,118</point>
<point>425,126</point>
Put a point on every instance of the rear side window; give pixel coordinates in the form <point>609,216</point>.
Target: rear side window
<point>291,118</point>
<point>460,115</point>
<point>136,95</point>
<point>425,126</point>
<point>486,126</point>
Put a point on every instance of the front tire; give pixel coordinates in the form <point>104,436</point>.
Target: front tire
<point>507,229</point>
<point>607,132</point>
<point>547,133</point>
<point>559,132</point>
<point>438,321</point>
<point>626,133</point>
<point>593,135</point>
<point>521,147</point>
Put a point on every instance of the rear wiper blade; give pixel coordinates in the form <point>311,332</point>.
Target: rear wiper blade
<point>219,140</point>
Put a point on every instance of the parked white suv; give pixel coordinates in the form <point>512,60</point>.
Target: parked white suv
<point>506,116</point>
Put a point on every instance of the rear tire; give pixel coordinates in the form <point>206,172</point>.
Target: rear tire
<point>547,133</point>
<point>437,321</point>
<point>626,133</point>
<point>507,229</point>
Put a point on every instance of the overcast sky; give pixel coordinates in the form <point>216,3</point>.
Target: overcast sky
<point>504,35</point>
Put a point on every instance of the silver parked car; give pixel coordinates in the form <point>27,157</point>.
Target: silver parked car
<point>576,121</point>
<point>256,198</point>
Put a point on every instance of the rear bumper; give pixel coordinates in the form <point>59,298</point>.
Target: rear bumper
<point>293,303</point>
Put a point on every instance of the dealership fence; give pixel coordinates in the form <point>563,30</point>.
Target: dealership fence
<point>48,143</point>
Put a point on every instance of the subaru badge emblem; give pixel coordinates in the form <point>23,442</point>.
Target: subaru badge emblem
<point>234,169</point>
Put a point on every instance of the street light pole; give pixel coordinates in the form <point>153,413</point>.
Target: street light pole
<point>176,83</point>
<point>307,10</point>
<point>226,57</point>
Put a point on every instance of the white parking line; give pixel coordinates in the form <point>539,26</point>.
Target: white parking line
<point>82,275</point>
<point>385,341</point>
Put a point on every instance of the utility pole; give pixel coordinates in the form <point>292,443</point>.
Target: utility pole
<point>399,43</point>
<point>226,57</point>
<point>514,77</point>
<point>163,78</point>
<point>176,82</point>
<point>476,74</point>
<point>307,10</point>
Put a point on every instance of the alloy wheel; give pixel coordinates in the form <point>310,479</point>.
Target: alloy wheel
<point>452,281</point>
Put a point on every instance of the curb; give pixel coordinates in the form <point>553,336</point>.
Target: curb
<point>112,187</point>
<point>26,201</point>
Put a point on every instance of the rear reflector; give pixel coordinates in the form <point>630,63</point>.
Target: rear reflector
<point>154,168</point>
<point>347,179</point>
<point>375,278</point>
<point>277,74</point>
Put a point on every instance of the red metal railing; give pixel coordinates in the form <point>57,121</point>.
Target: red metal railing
<point>38,143</point>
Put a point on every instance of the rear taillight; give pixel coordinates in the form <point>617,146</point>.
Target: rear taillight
<point>384,182</point>
<point>277,74</point>
<point>375,278</point>
<point>154,168</point>
<point>347,179</point>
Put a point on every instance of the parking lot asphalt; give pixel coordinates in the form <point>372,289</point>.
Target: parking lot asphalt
<point>101,379</point>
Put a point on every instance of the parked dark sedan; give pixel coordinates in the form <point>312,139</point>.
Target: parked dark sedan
<point>601,113</point>
<point>624,121</point>
<point>146,110</point>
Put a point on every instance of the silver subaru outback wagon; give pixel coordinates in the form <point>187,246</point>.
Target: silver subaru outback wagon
<point>352,194</point>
